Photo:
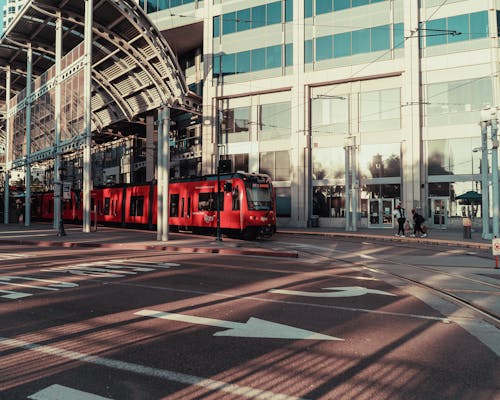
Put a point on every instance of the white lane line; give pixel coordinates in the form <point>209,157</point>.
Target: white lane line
<point>210,384</point>
<point>59,392</point>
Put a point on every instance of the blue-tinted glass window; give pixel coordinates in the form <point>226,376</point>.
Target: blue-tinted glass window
<point>324,48</point>
<point>434,32</point>
<point>216,65</point>
<point>376,1</point>
<point>258,16</point>
<point>308,8</point>
<point>381,38</point>
<point>258,59</point>
<point>324,6</point>
<point>460,24</point>
<point>151,6</point>
<point>399,36</point>
<point>229,23</point>
<point>141,4</point>
<point>228,64</point>
<point>163,4</point>
<point>357,3</point>
<point>273,13</point>
<point>341,4</point>
<point>498,21</point>
<point>175,3</point>
<point>360,41</point>
<point>479,25</point>
<point>217,26</point>
<point>342,45</point>
<point>308,51</point>
<point>289,54</point>
<point>243,20</point>
<point>273,56</point>
<point>243,62</point>
<point>288,10</point>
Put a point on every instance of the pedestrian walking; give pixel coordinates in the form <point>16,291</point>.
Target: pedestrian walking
<point>418,220</point>
<point>401,218</point>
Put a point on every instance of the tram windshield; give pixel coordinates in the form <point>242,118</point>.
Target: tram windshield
<point>259,195</point>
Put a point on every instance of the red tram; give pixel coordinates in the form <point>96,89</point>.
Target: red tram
<point>247,205</point>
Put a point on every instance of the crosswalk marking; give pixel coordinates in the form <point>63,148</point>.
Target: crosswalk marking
<point>12,256</point>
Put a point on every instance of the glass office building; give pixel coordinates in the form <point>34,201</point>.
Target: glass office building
<point>351,106</point>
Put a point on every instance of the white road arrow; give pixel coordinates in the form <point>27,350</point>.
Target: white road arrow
<point>254,327</point>
<point>344,291</point>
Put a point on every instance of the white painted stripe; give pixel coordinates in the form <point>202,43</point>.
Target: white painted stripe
<point>59,392</point>
<point>14,295</point>
<point>210,384</point>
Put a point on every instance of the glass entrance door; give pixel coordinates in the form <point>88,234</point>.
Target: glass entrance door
<point>439,212</point>
<point>381,213</point>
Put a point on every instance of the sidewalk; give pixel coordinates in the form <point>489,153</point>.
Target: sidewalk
<point>43,234</point>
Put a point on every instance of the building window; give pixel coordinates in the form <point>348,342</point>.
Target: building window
<point>236,124</point>
<point>329,115</point>
<point>276,164</point>
<point>450,103</point>
<point>468,26</point>
<point>328,163</point>
<point>274,120</point>
<point>380,110</point>
<point>380,161</point>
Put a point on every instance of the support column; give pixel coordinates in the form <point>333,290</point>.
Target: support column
<point>163,173</point>
<point>87,107</point>
<point>27,178</point>
<point>57,110</point>
<point>7,147</point>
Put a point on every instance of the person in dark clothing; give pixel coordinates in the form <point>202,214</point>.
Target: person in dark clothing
<point>401,218</point>
<point>417,224</point>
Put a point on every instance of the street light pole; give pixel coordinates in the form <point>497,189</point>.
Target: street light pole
<point>61,231</point>
<point>485,201</point>
<point>494,175</point>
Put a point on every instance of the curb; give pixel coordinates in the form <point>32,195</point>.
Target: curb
<point>131,246</point>
<point>428,241</point>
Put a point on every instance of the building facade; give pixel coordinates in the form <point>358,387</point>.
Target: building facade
<point>351,106</point>
<point>10,10</point>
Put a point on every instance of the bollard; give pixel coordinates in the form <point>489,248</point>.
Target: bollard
<point>496,262</point>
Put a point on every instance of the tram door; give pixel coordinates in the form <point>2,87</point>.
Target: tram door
<point>439,212</point>
<point>381,213</point>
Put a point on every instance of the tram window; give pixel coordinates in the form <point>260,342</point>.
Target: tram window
<point>182,207</point>
<point>105,210</point>
<point>207,202</point>
<point>174,205</point>
<point>235,198</point>
<point>137,206</point>
<point>189,207</point>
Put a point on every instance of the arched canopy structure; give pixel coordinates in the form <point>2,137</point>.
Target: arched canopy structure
<point>133,68</point>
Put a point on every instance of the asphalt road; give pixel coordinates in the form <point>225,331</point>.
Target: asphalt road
<point>156,325</point>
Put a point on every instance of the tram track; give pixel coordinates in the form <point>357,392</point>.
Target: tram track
<point>449,295</point>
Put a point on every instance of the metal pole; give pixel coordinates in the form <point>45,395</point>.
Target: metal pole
<point>485,209</point>
<point>61,231</point>
<point>6,192</point>
<point>27,197</point>
<point>354,197</point>
<point>87,109</point>
<point>57,110</point>
<point>494,175</point>
<point>347,184</point>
